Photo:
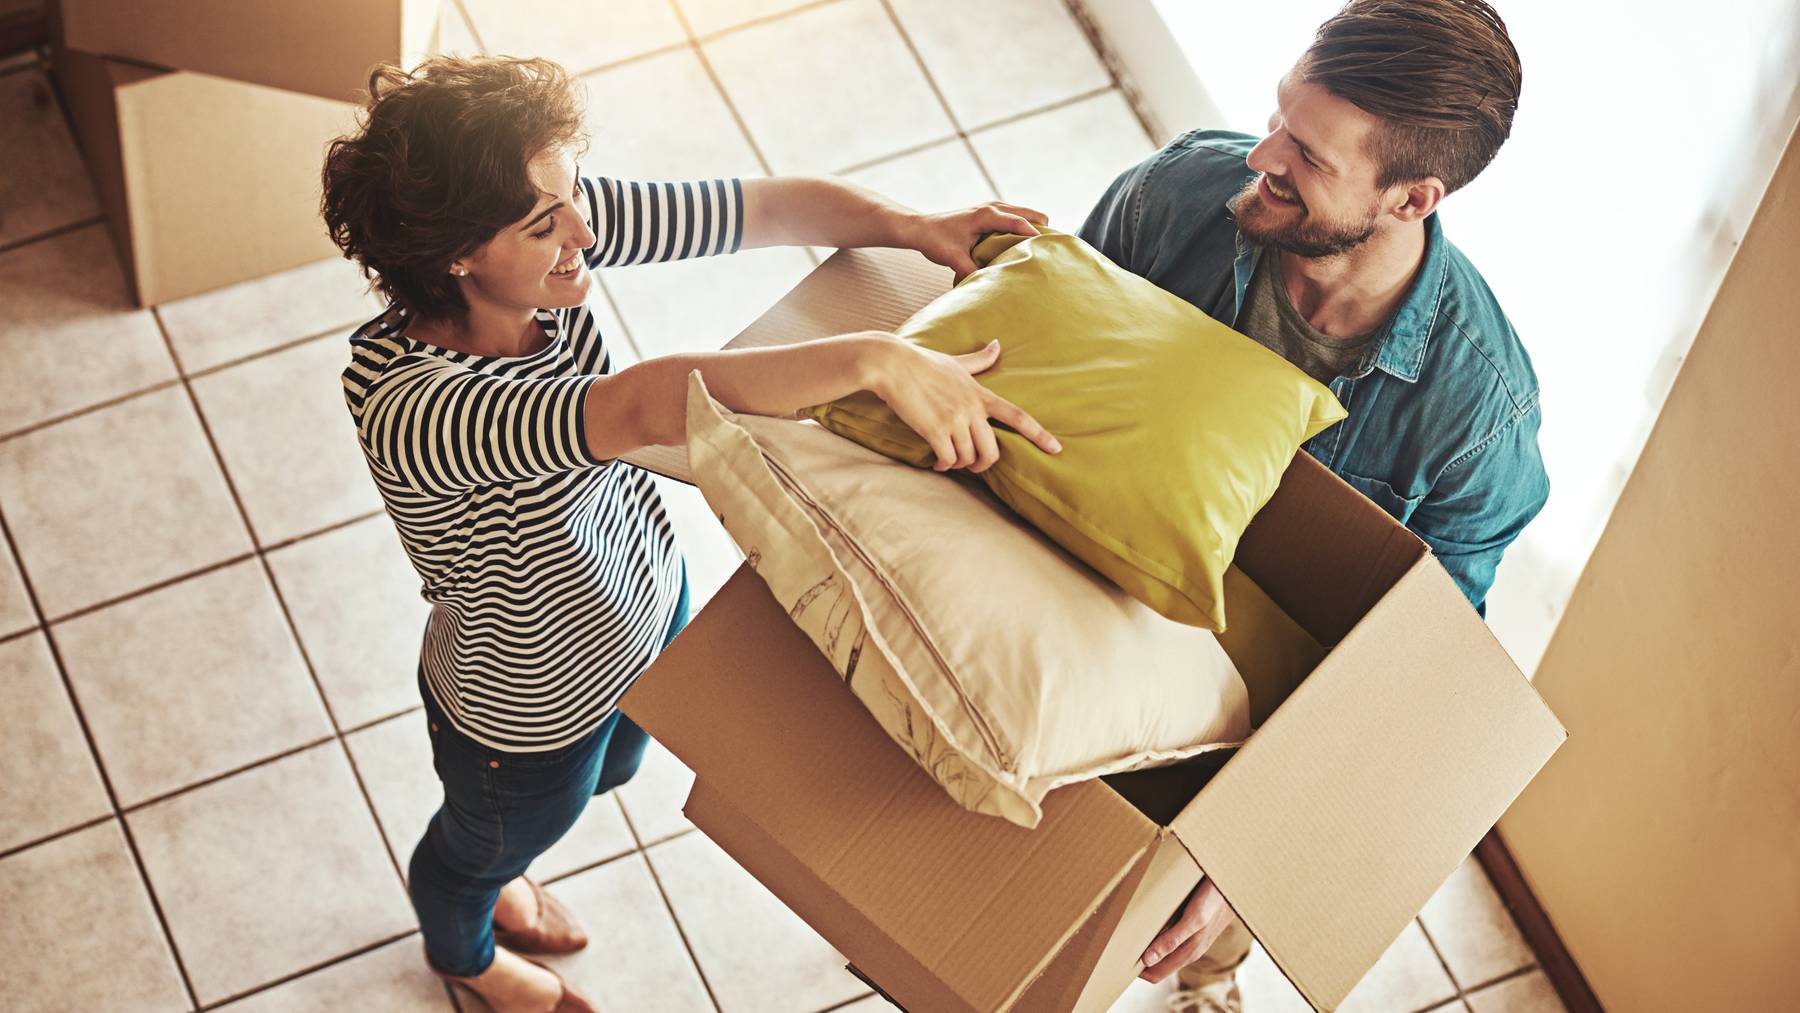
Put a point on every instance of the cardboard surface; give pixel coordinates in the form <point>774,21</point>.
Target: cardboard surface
<point>205,181</point>
<point>1326,832</point>
<point>324,48</point>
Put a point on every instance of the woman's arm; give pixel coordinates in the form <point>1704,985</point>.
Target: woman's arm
<point>937,395</point>
<point>826,211</point>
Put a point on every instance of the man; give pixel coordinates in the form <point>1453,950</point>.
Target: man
<point>1322,242</point>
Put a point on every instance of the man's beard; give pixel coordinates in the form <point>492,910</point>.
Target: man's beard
<point>1304,235</point>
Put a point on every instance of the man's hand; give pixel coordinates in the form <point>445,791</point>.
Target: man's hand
<point>1200,922</point>
<point>946,238</point>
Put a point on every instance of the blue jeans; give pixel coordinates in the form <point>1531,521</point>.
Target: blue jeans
<point>501,810</point>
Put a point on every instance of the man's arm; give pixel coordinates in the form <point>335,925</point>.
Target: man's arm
<point>1481,502</point>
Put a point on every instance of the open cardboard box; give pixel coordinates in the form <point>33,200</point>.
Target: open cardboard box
<point>182,160</point>
<point>320,47</point>
<point>1326,832</point>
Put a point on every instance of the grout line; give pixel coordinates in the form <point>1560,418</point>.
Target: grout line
<point>765,19</point>
<point>113,402</point>
<point>914,149</point>
<point>58,835</point>
<point>625,61</point>
<point>589,867</point>
<point>631,343</point>
<point>1502,978</point>
<point>212,779</point>
<point>148,588</point>
<point>310,969</point>
<point>1439,954</point>
<point>87,734</point>
<point>335,331</point>
<point>944,103</point>
<point>397,715</point>
<point>50,233</point>
<point>20,634</point>
<point>712,74</point>
<point>1048,107</point>
<point>469,23</point>
<point>686,943</point>
<point>287,614</point>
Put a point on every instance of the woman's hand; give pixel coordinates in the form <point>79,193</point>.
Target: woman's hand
<point>937,395</point>
<point>946,238</point>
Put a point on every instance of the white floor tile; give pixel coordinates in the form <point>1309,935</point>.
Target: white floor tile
<point>190,681</point>
<point>1061,161</point>
<point>1471,927</point>
<point>355,599</point>
<point>1407,977</point>
<point>845,89</point>
<point>70,335</point>
<point>1528,993</point>
<point>270,871</point>
<point>1265,989</point>
<point>454,36</point>
<point>249,317</point>
<point>943,177</point>
<point>634,959</point>
<point>288,441</point>
<point>756,954</point>
<point>712,557</point>
<point>80,933</point>
<point>700,304</point>
<point>392,978</point>
<point>630,108</point>
<point>708,16</point>
<point>16,612</point>
<point>43,183</point>
<point>51,783</point>
<point>581,37</point>
<point>115,500</point>
<point>653,799</point>
<point>1045,57</point>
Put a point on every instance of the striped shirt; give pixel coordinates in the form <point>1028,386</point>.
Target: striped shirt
<point>552,576</point>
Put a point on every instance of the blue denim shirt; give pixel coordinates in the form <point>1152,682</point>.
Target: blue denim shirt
<point>1443,424</point>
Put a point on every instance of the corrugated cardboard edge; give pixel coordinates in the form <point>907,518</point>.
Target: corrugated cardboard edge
<point>1440,722</point>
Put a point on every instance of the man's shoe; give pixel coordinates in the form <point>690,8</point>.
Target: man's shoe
<point>557,929</point>
<point>1213,997</point>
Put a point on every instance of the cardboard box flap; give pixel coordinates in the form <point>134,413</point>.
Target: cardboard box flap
<point>854,290</point>
<point>950,887</point>
<point>1316,525</point>
<point>1390,761</point>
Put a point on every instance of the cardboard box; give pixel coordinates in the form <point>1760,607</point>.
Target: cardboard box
<point>1326,832</point>
<point>205,182</point>
<point>323,47</point>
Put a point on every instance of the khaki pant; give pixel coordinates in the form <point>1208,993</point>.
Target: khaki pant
<point>1221,958</point>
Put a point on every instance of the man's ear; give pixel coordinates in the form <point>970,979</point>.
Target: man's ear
<point>1413,201</point>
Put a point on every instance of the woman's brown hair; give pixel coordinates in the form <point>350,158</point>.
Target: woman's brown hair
<point>439,167</point>
<point>1442,75</point>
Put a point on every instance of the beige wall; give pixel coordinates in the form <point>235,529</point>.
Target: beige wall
<point>1664,838</point>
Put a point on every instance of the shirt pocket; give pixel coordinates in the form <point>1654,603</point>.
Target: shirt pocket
<point>1384,496</point>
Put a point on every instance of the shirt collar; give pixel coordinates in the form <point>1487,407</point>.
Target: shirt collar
<point>1398,349</point>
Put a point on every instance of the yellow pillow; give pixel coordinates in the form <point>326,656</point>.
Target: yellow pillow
<point>1175,428</point>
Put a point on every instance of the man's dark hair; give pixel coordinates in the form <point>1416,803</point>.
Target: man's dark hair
<point>440,166</point>
<point>1441,75</point>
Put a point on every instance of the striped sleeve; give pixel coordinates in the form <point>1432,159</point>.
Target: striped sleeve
<point>643,223</point>
<point>443,429</point>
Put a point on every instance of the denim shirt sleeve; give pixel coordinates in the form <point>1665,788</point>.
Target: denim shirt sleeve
<point>1481,501</point>
<point>1112,225</point>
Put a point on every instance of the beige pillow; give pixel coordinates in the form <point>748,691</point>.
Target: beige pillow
<point>1003,665</point>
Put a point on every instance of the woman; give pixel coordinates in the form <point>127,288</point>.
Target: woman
<point>491,420</point>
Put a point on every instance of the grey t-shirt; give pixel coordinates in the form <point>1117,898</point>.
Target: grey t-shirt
<point>1269,316</point>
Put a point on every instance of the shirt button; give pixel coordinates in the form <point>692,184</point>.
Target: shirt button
<point>434,726</point>
<point>495,764</point>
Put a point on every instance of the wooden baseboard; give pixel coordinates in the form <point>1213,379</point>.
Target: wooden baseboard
<point>1570,984</point>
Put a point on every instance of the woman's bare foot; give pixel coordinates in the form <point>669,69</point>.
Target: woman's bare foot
<point>512,984</point>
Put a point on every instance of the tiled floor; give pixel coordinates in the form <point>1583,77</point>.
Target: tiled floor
<point>207,628</point>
